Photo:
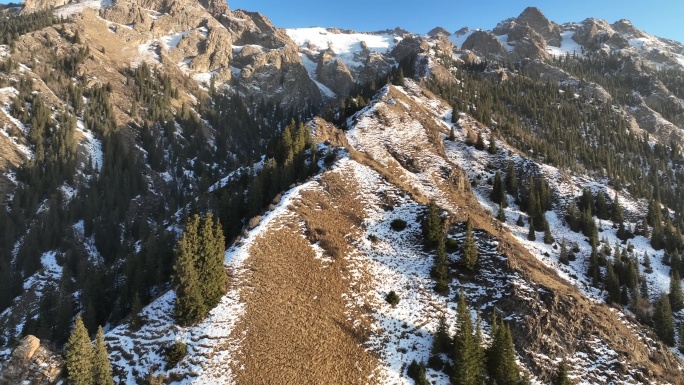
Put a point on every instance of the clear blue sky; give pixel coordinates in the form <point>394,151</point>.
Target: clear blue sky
<point>664,18</point>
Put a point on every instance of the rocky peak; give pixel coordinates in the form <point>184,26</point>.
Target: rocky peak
<point>437,32</point>
<point>625,27</point>
<point>37,5</point>
<point>536,20</point>
<point>591,33</point>
<point>31,363</point>
<point>485,43</point>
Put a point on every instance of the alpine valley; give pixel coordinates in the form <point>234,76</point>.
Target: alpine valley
<point>192,195</point>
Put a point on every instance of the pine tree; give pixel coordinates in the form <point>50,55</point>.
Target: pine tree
<point>531,236</point>
<point>135,320</point>
<point>452,134</point>
<point>432,225</point>
<point>469,249</point>
<point>441,343</point>
<point>520,222</point>
<point>79,356</point>
<point>466,366</point>
<point>548,238</point>
<point>501,216</point>
<point>681,338</point>
<point>479,143</point>
<point>601,207</point>
<point>617,214</point>
<point>511,181</point>
<point>440,270</point>
<point>492,149</point>
<point>676,297</point>
<point>214,281</point>
<point>102,369</point>
<point>663,322</point>
<point>498,191</point>
<point>612,285</point>
<point>190,307</point>
<point>561,376</point>
<point>501,354</point>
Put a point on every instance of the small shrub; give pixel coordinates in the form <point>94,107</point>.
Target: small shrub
<point>174,354</point>
<point>392,298</point>
<point>254,222</point>
<point>451,244</point>
<point>435,362</point>
<point>372,237</point>
<point>398,225</point>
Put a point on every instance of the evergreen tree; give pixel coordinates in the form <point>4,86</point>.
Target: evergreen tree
<point>663,322</point>
<point>617,213</point>
<point>469,249</point>
<point>466,366</point>
<point>681,338</point>
<point>441,343</point>
<point>561,376</point>
<point>102,369</point>
<point>501,216</point>
<point>501,354</point>
<point>531,236</point>
<point>520,222</point>
<point>190,307</point>
<point>499,191</point>
<point>440,270</point>
<point>601,207</point>
<point>492,149</point>
<point>210,262</point>
<point>563,256</point>
<point>79,356</point>
<point>479,143</point>
<point>676,296</point>
<point>548,238</point>
<point>432,225</point>
<point>511,181</point>
<point>612,285</point>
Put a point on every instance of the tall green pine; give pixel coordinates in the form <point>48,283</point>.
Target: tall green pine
<point>470,253</point>
<point>102,369</point>
<point>79,356</point>
<point>499,191</point>
<point>466,363</point>
<point>190,307</point>
<point>663,322</point>
<point>676,296</point>
<point>501,354</point>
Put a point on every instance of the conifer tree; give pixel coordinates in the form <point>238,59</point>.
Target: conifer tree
<point>520,222</point>
<point>210,261</point>
<point>561,376</point>
<point>469,249</point>
<point>612,285</point>
<point>511,181</point>
<point>441,343</point>
<point>102,369</point>
<point>432,225</point>
<point>663,322</point>
<point>617,214</point>
<point>479,143</point>
<point>676,296</point>
<point>440,270</point>
<point>190,307</point>
<point>531,236</point>
<point>548,238</point>
<point>601,207</point>
<point>501,216</point>
<point>492,149</point>
<point>501,354</point>
<point>681,338</point>
<point>499,191</point>
<point>79,356</point>
<point>466,366</point>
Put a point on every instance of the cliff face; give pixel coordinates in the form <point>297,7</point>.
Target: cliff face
<point>31,364</point>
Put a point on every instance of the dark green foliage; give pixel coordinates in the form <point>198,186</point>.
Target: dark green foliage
<point>501,215</point>
<point>676,297</point>
<point>501,363</point>
<point>441,343</point>
<point>135,320</point>
<point>479,144</point>
<point>469,250</point>
<point>15,25</point>
<point>520,222</point>
<point>79,356</point>
<point>612,285</point>
<point>663,322</point>
<point>492,149</point>
<point>548,238</point>
<point>531,236</point>
<point>467,353</point>
<point>681,338</point>
<point>175,354</point>
<point>398,225</point>
<point>432,225</point>
<point>511,180</point>
<point>399,78</point>
<point>102,369</point>
<point>200,280</point>
<point>440,269</point>
<point>392,298</point>
<point>499,191</point>
<point>416,371</point>
<point>561,375</point>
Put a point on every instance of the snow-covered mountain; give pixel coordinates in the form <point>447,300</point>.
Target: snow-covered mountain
<point>196,98</point>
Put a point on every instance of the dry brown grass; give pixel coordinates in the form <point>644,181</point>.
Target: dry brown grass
<point>296,325</point>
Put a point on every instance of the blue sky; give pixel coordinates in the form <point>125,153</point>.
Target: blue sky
<point>659,17</point>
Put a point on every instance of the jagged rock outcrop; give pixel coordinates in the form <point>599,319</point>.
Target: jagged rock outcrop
<point>486,44</point>
<point>334,74</point>
<point>592,33</point>
<point>528,43</point>
<point>37,5</point>
<point>254,28</point>
<point>31,364</point>
<point>438,31</point>
<point>536,20</point>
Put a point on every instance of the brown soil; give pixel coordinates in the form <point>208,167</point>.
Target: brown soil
<point>297,322</point>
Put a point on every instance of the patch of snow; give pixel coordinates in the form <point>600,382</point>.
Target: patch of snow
<point>345,45</point>
<point>73,8</point>
<point>311,66</point>
<point>171,41</point>
<point>91,145</point>
<point>459,39</point>
<point>568,46</point>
